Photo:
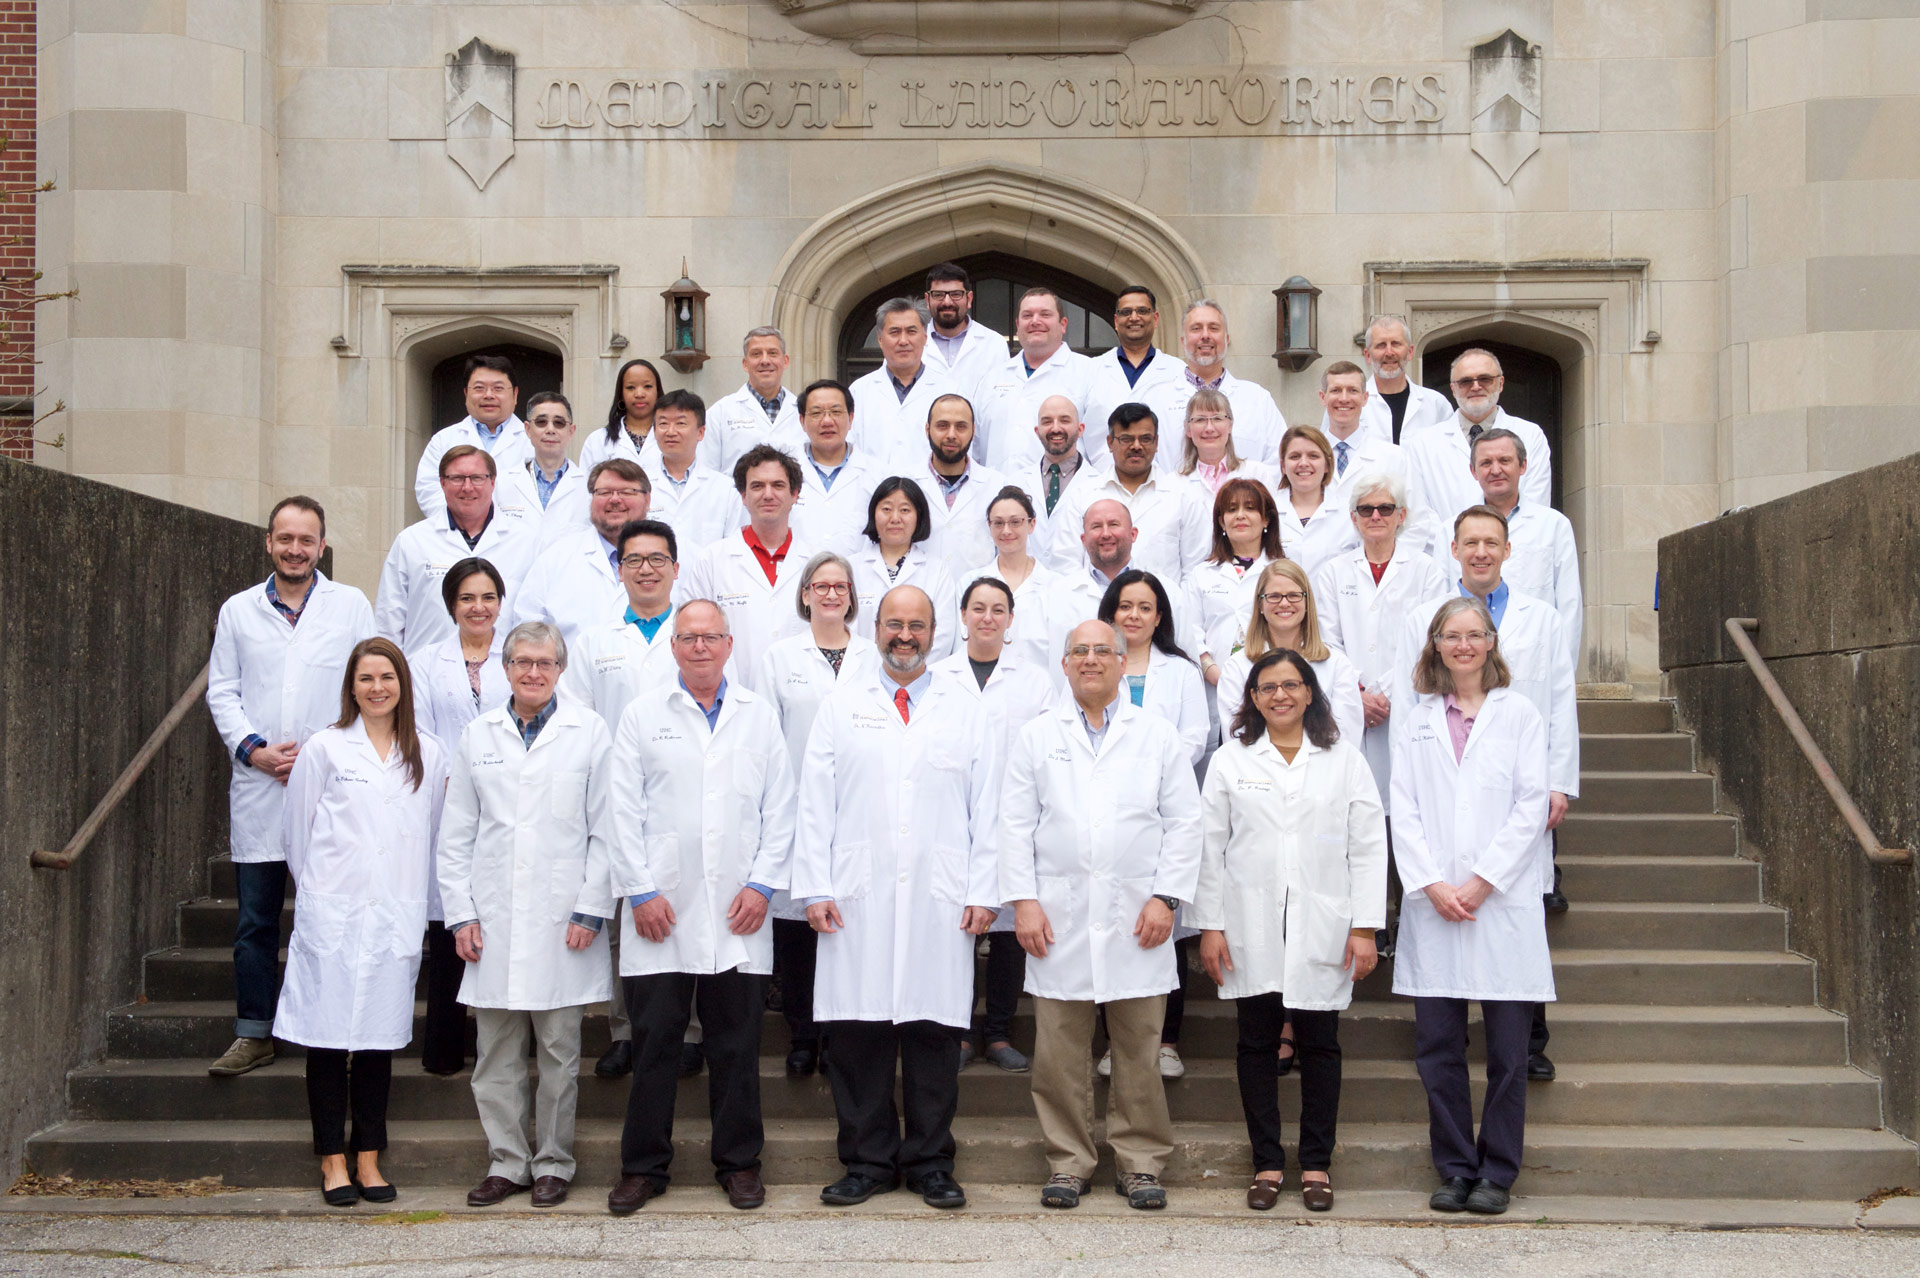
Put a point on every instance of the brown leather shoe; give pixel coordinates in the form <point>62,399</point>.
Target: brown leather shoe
<point>549,1191</point>
<point>1262,1195</point>
<point>630,1195</point>
<point>744,1189</point>
<point>1317,1195</point>
<point>494,1189</point>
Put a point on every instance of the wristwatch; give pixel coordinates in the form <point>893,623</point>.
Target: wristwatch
<point>1171,902</point>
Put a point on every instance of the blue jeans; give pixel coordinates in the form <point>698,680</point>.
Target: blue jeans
<point>262,888</point>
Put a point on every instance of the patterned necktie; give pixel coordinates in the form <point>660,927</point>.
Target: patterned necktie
<point>900,702</point>
<point>1053,486</point>
<point>1474,432</point>
<point>1340,457</point>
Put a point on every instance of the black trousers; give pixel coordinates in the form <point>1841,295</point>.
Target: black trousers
<point>795,944</point>
<point>335,1087</point>
<point>1440,1052</point>
<point>1177,996</point>
<point>731,1006</point>
<point>1257,1062</point>
<point>443,1039</point>
<point>871,1140</point>
<point>1006,973</point>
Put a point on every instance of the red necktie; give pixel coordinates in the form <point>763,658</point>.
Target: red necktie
<point>900,700</point>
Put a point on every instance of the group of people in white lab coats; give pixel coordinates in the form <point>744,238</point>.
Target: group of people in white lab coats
<point>812,696</point>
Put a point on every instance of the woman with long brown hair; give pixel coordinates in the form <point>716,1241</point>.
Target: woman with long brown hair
<point>362,814</point>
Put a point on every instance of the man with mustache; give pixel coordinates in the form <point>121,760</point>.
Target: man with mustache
<point>959,346</point>
<point>894,857</point>
<point>1398,408</point>
<point>1440,459</point>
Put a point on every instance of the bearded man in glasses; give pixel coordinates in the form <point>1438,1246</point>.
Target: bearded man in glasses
<point>1440,458</point>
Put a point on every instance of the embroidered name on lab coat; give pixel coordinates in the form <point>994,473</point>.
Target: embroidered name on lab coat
<point>1253,785</point>
<point>731,601</point>
<point>869,720</point>
<point>1059,755</point>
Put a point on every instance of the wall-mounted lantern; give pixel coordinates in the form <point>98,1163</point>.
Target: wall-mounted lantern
<point>686,325</point>
<point>1297,323</point>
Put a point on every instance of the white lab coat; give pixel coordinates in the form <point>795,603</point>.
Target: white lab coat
<point>759,613</point>
<point>896,826</point>
<point>1220,604</point>
<point>736,423</point>
<point>796,678</point>
<point>919,568</point>
<point>597,448</point>
<point>1295,858</point>
<point>523,847</point>
<point>1485,815</point>
<point>1047,526</point>
<point>613,662</point>
<point>960,536</point>
<point>1339,681</point>
<point>565,511</point>
<point>443,702</point>
<point>1076,598</point>
<point>573,584</point>
<point>360,849</point>
<point>1545,563</point>
<point>1542,667</point>
<point>1172,513</point>
<point>1162,387</point>
<point>891,429</point>
<point>1257,421</point>
<point>1373,455</point>
<point>982,352</point>
<point>836,518</point>
<point>1091,837</point>
<point>1313,541</point>
<point>282,683</point>
<point>1176,692</point>
<point>1369,624</point>
<point>701,511</point>
<point>409,608</point>
<point>699,813</point>
<point>1440,472</point>
<point>1008,407</point>
<point>1425,409</point>
<point>509,449</point>
<point>1038,631</point>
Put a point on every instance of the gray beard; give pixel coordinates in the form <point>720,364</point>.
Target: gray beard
<point>903,665</point>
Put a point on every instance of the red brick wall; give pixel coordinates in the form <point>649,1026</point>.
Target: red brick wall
<point>17,206</point>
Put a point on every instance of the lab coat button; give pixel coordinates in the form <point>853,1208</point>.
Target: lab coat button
<point>903,878</point>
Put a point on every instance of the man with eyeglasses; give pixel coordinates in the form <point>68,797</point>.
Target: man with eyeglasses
<point>547,488</point>
<point>1135,371</point>
<point>1008,402</point>
<point>1357,450</point>
<point>1440,460</point>
<point>893,399</point>
<point>1257,423</point>
<point>836,479</point>
<point>958,487</point>
<point>959,346</point>
<point>699,503</point>
<point>1533,642</point>
<point>523,870</point>
<point>894,861</point>
<point>408,607</point>
<point>490,425</point>
<point>1398,408</point>
<point>703,834</point>
<point>575,583</point>
<point>760,412</point>
<point>1172,518</point>
<point>1099,843</point>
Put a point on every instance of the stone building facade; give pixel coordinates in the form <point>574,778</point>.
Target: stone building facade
<point>1688,221</point>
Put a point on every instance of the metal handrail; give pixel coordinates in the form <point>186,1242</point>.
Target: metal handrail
<point>1738,627</point>
<point>124,783</point>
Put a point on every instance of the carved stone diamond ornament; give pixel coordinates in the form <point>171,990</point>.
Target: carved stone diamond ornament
<point>480,110</point>
<point>1506,103</point>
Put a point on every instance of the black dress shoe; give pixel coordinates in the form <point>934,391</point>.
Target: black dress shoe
<point>802,1061</point>
<point>1487,1198</point>
<point>1555,901</point>
<point>692,1059</point>
<point>853,1188</point>
<point>618,1062</point>
<point>377,1193</point>
<point>347,1195</point>
<point>939,1189</point>
<point>1452,1194</point>
<point>1539,1068</point>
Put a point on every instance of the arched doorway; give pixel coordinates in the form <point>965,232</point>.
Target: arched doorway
<point>431,388</point>
<point>998,281</point>
<point>1534,390</point>
<point>534,370</point>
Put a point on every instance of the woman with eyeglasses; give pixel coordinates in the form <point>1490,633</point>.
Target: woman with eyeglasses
<point>629,429</point>
<point>1313,528</point>
<point>457,679</point>
<point>797,673</point>
<point>1209,455</point>
<point>1469,807</point>
<point>1286,616</point>
<point>1037,636</point>
<point>363,810</point>
<point>895,554</point>
<point>1246,538</point>
<point>1293,882</point>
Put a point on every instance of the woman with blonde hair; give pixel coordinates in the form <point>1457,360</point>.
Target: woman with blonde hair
<point>362,815</point>
<point>1285,616</point>
<point>1209,456</point>
<point>1313,528</point>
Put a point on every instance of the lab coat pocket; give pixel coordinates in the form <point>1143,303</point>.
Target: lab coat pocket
<point>1060,902</point>
<point>320,923</point>
<point>663,861</point>
<point>852,870</point>
<point>1324,924</point>
<point>565,880</point>
<point>947,874</point>
<point>567,797</point>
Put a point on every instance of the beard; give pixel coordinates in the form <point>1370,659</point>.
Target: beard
<point>903,662</point>
<point>949,458</point>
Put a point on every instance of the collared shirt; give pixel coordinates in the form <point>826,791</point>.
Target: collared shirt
<point>769,559</point>
<point>1473,430</point>
<point>827,476</point>
<point>649,626</point>
<point>544,486</point>
<point>530,728</point>
<point>1096,735</point>
<point>1068,468</point>
<point>1212,474</point>
<point>613,554</point>
<point>1496,602</point>
<point>1101,579</point>
<point>474,540</point>
<point>488,438</point>
<point>281,606</point>
<point>950,346</point>
<point>903,389</point>
<point>1194,381</point>
<point>680,484</point>
<point>1130,369</point>
<point>771,407</point>
<point>915,690</point>
<point>1343,450</point>
<point>950,485</point>
<point>1459,727</point>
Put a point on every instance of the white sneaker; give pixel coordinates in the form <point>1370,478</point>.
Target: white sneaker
<point>1105,1067</point>
<point>1171,1066</point>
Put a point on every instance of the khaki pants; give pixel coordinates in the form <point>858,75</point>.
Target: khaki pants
<point>505,1095</point>
<point>1138,1126</point>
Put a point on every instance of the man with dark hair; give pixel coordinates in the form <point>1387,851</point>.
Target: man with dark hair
<point>960,346</point>
<point>893,399</point>
<point>1136,371</point>
<point>760,412</point>
<point>836,479</point>
<point>958,489</point>
<point>1175,522</point>
<point>699,502</point>
<point>549,487</point>
<point>752,574</point>
<point>575,583</point>
<point>279,655</point>
<point>492,394</point>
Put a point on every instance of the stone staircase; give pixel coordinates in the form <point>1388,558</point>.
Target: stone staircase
<point>1693,1061</point>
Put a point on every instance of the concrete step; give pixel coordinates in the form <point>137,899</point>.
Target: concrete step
<point>1645,793</point>
<point>1649,1161</point>
<point>1598,717</point>
<point>210,921</point>
<point>1636,752</point>
<point>1725,879</point>
<point>1588,832</point>
<point>1668,925</point>
<point>1377,1091</point>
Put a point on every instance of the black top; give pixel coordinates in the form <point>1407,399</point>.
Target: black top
<point>982,670</point>
<point>1397,404</point>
